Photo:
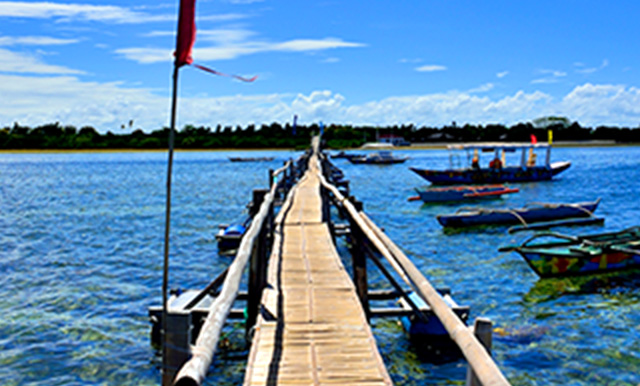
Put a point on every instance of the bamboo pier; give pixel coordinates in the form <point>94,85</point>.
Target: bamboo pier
<point>313,329</point>
<point>308,319</point>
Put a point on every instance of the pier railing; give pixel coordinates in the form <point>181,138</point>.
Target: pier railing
<point>483,368</point>
<point>253,250</point>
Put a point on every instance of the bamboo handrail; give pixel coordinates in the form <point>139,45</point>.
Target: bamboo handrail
<point>478,358</point>
<point>195,369</point>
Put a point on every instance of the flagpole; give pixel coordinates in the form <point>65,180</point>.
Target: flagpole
<point>167,226</point>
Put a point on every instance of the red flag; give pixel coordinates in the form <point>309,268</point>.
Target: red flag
<point>534,140</point>
<point>187,36</point>
<point>203,68</point>
<point>186,32</point>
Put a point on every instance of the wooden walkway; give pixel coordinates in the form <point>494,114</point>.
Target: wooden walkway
<point>311,329</point>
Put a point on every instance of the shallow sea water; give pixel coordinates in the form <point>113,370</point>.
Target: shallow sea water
<point>81,243</point>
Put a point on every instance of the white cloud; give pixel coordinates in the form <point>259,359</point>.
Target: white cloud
<point>37,100</point>
<point>234,47</point>
<point>482,88</point>
<point>550,76</point>
<point>22,63</point>
<point>146,55</point>
<point>431,68</point>
<point>544,80</point>
<point>601,104</point>
<point>34,41</point>
<point>106,106</point>
<point>68,12</point>
<point>413,61</point>
<point>225,36</point>
<point>554,73</point>
<point>502,74</point>
<point>311,45</point>
<point>591,70</point>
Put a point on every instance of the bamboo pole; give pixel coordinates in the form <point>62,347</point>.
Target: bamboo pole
<point>167,376</point>
<point>480,361</point>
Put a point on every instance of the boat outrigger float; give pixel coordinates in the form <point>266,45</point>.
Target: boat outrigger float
<point>534,212</point>
<point>497,171</point>
<point>462,193</point>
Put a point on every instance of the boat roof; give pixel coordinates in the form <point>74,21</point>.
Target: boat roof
<point>497,145</point>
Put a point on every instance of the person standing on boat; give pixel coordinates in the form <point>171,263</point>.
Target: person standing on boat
<point>531,162</point>
<point>475,164</point>
<point>475,161</point>
<point>496,163</point>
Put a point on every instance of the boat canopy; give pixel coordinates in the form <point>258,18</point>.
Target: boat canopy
<point>491,146</point>
<point>501,148</point>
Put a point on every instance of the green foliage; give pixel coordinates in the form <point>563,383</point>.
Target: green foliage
<point>274,135</point>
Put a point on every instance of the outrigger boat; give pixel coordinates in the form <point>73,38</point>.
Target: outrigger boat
<point>250,159</point>
<point>532,213</point>
<point>462,193</point>
<point>497,171</point>
<point>379,158</point>
<point>581,255</point>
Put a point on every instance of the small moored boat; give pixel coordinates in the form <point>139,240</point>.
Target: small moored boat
<point>430,327</point>
<point>581,255</point>
<point>463,193</point>
<point>531,213</point>
<point>378,158</point>
<point>230,236</point>
<point>250,159</point>
<point>346,155</point>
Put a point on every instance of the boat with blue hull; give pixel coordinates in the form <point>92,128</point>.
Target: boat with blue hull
<point>531,213</point>
<point>427,333</point>
<point>497,171</point>
<point>230,236</point>
<point>463,193</point>
<point>581,255</point>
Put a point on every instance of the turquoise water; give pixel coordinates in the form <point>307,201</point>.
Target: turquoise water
<point>81,261</point>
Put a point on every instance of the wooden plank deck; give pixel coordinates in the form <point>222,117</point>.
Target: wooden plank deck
<point>311,329</point>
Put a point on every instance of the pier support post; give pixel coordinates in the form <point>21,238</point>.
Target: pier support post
<point>482,329</point>
<point>258,262</point>
<point>359,261</point>
<point>270,178</point>
<point>178,344</point>
<point>291,171</point>
<point>326,211</point>
<point>257,280</point>
<point>256,201</point>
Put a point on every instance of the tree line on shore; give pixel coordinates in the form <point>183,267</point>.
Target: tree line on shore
<point>55,136</point>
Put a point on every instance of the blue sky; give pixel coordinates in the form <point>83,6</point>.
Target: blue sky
<point>106,62</point>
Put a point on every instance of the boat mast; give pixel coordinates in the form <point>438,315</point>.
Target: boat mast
<point>548,159</point>
<point>550,140</point>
